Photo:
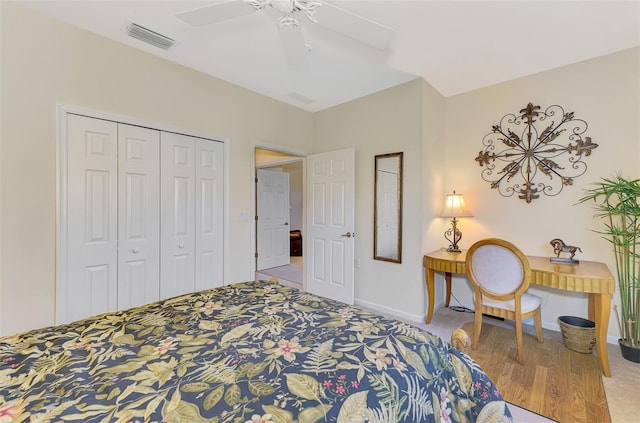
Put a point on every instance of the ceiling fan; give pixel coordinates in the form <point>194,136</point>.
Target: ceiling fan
<point>319,12</point>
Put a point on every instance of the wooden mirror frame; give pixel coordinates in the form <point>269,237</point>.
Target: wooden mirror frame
<point>384,247</point>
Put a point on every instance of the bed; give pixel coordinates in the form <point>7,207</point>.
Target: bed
<point>255,352</point>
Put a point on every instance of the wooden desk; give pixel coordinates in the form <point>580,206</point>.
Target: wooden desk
<point>591,277</point>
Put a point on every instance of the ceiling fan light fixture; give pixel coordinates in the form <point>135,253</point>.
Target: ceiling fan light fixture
<point>283,6</point>
<point>288,20</point>
<point>288,8</point>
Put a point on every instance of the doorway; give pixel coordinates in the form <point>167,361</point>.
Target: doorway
<point>277,235</point>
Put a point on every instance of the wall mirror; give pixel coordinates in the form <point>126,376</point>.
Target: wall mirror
<point>387,208</point>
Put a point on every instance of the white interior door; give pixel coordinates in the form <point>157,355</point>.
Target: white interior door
<point>273,219</point>
<point>177,264</point>
<point>138,216</point>
<point>209,230</point>
<point>91,220</point>
<point>329,244</point>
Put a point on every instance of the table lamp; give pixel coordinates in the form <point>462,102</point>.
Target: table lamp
<point>454,208</point>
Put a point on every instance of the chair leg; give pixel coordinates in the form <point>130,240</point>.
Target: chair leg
<point>477,326</point>
<point>519,339</point>
<point>537,322</point>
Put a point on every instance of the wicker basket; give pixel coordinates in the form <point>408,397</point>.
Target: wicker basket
<point>578,334</point>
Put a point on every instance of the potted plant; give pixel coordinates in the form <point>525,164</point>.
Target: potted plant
<point>616,201</point>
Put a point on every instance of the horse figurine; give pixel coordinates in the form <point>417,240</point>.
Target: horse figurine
<point>560,247</point>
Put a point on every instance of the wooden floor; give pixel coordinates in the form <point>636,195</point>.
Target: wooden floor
<point>556,382</point>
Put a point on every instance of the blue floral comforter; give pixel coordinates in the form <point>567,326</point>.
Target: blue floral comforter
<point>250,352</point>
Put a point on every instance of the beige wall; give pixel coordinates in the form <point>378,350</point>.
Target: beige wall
<point>45,62</point>
<point>296,196</point>
<point>433,165</point>
<point>605,93</point>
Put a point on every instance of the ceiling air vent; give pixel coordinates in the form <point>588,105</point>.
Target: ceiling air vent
<point>300,98</point>
<point>148,36</point>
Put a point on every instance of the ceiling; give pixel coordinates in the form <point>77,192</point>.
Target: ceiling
<point>456,46</point>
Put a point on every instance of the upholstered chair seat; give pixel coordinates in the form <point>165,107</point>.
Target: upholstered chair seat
<point>530,302</point>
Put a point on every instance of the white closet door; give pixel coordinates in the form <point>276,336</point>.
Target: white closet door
<point>91,285</point>
<point>209,218</point>
<point>191,214</point>
<point>177,251</point>
<point>138,216</point>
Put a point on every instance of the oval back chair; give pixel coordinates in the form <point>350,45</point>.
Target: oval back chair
<point>500,274</point>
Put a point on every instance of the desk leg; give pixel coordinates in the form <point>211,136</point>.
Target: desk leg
<point>447,278</point>
<point>429,277</point>
<point>599,313</point>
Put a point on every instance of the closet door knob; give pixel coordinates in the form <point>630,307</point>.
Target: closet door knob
<point>180,245</point>
<point>135,250</point>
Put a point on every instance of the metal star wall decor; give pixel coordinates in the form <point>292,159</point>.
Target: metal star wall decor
<point>539,152</point>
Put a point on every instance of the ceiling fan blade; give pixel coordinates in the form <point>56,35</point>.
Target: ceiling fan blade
<point>294,47</point>
<point>355,26</point>
<point>216,13</point>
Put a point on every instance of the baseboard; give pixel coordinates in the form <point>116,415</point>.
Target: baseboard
<point>401,315</point>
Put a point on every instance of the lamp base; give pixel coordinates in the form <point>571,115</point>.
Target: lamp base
<point>453,235</point>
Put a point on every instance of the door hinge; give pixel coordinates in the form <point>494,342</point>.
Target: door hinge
<point>256,255</point>
<point>256,217</point>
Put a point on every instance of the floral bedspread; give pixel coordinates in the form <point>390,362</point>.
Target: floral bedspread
<point>249,352</point>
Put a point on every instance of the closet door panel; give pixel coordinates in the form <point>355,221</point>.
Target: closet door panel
<point>138,216</point>
<point>92,248</point>
<point>209,217</point>
<point>177,251</point>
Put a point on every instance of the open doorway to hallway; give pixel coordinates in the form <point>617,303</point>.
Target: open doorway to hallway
<point>279,216</point>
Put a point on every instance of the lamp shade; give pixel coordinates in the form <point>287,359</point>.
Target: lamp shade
<point>454,206</point>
